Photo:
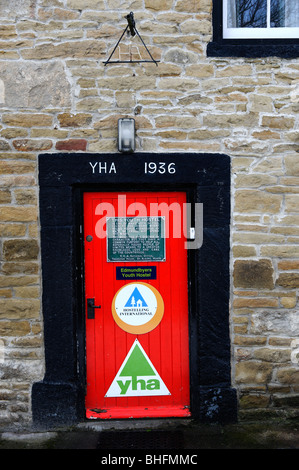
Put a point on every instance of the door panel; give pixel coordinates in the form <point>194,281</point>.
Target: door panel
<point>143,372</point>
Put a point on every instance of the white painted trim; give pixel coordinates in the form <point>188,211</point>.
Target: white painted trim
<point>257,33</point>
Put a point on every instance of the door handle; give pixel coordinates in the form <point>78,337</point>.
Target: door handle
<point>90,308</point>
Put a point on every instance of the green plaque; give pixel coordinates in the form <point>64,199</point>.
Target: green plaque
<point>135,239</point>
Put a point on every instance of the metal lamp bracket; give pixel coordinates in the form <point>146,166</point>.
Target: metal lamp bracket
<point>133,30</point>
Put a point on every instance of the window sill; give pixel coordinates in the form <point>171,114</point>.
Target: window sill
<point>253,49</point>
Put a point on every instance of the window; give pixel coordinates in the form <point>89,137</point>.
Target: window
<point>255,28</point>
<point>261,19</point>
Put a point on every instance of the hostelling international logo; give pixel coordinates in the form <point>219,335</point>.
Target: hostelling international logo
<point>137,308</point>
<point>137,376</point>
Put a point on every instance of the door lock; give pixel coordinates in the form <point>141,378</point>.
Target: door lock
<point>90,308</point>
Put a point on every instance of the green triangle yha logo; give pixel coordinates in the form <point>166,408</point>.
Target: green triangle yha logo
<point>137,376</point>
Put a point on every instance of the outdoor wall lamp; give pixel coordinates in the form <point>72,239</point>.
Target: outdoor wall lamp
<point>126,135</point>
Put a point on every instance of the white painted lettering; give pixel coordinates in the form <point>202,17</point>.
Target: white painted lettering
<point>93,166</point>
<point>152,167</point>
<point>112,168</point>
<point>102,166</point>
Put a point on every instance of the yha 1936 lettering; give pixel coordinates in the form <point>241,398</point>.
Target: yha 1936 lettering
<point>149,168</point>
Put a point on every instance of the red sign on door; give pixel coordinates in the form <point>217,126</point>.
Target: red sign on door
<point>136,287</point>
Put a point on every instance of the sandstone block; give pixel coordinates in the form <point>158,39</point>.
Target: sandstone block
<point>19,309</point>
<point>201,26</point>
<point>43,85</point>
<point>243,251</point>
<point>272,355</point>
<point>92,104</point>
<point>8,31</point>
<point>4,145</point>
<point>14,328</point>
<point>12,230</point>
<point>292,165</point>
<point>31,145</point>
<point>261,104</point>
<point>158,5</point>
<point>11,133</point>
<point>128,83</point>
<point>74,120</point>
<point>230,120</point>
<point>261,302</point>
<point>17,8</point>
<point>179,56</point>
<point>280,251</point>
<point>5,293</point>
<point>16,281</point>
<point>25,267</point>
<point>287,265</point>
<point>5,196</point>
<point>287,400</point>
<point>254,401</point>
<point>72,49</point>
<point>18,214</point>
<point>288,376</point>
<point>72,144</point>
<point>200,70</point>
<point>275,321</point>
<point>27,120</point>
<point>278,122</point>
<point>181,84</point>
<point>177,121</point>
<point>20,250</point>
<point>16,167</point>
<point>25,196</point>
<point>257,201</point>
<point>288,280</point>
<point>208,134</point>
<point>109,122</point>
<point>196,6</point>
<point>88,4</point>
<point>288,302</point>
<point>254,180</point>
<point>124,99</point>
<point>103,145</point>
<point>64,15</point>
<point>266,135</point>
<point>247,341</point>
<point>292,203</point>
<point>254,274</point>
<point>27,292</point>
<point>248,372</point>
<point>235,71</point>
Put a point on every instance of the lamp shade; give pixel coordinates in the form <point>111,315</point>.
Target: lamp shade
<point>126,135</point>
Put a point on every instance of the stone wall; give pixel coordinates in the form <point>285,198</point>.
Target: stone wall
<point>57,95</point>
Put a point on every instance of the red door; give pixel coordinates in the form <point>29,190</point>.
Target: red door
<point>137,353</point>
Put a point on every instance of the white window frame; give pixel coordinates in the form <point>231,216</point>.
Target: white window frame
<point>257,33</point>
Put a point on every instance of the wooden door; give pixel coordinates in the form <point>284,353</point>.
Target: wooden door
<point>137,352</point>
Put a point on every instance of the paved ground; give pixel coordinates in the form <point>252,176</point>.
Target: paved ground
<point>156,435</point>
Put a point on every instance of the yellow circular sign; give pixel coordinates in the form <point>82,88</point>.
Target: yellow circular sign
<point>137,308</point>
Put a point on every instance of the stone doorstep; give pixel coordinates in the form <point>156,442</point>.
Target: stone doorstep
<point>121,425</point>
<point>243,435</point>
<point>29,437</point>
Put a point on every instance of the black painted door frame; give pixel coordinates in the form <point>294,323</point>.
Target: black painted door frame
<point>63,178</point>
